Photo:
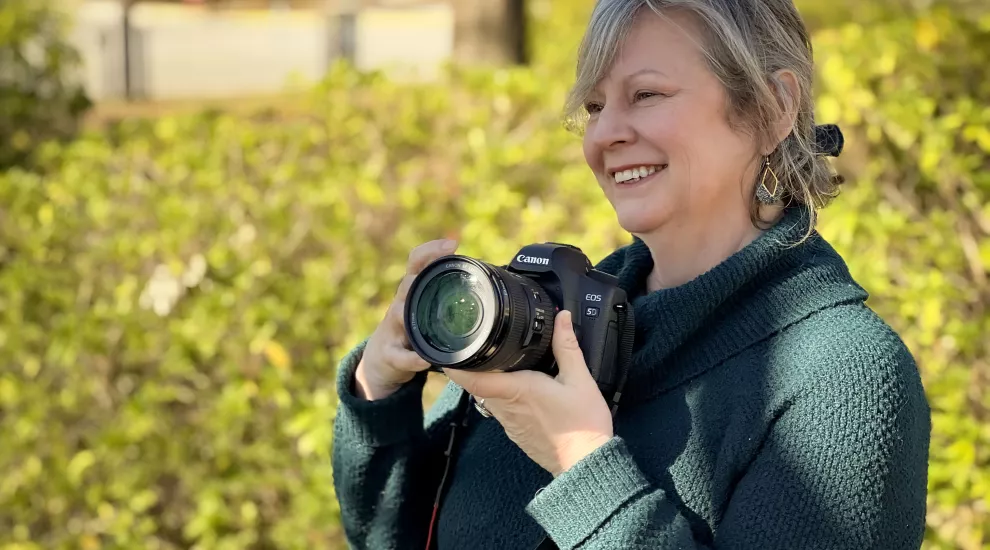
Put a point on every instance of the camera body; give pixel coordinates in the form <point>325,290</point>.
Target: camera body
<point>511,310</point>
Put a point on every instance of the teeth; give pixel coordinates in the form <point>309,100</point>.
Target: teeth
<point>634,174</point>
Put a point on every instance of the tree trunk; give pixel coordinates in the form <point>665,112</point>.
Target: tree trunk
<point>490,32</point>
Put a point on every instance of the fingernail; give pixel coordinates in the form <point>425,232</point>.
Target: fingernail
<point>449,245</point>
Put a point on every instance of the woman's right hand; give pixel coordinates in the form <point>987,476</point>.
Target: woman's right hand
<point>388,361</point>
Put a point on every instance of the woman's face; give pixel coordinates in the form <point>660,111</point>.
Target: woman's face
<point>661,113</point>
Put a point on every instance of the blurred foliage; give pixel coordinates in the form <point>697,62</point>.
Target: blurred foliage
<point>175,293</point>
<point>920,119</point>
<point>38,98</point>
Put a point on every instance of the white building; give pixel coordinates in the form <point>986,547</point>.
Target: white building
<point>189,51</point>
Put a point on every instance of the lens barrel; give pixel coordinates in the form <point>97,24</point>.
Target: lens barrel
<point>462,313</point>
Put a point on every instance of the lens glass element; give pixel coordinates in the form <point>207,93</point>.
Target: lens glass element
<point>450,311</point>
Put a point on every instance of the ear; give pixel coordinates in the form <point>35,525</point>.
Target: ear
<point>788,91</point>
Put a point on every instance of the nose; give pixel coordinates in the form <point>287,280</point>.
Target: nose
<point>611,128</point>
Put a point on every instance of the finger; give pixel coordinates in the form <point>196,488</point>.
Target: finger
<point>403,290</point>
<point>422,255</point>
<point>498,407</point>
<point>566,350</point>
<point>405,360</point>
<point>396,323</point>
<point>419,258</point>
<point>488,385</point>
<point>396,315</point>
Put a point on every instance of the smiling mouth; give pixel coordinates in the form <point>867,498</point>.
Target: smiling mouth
<point>634,175</point>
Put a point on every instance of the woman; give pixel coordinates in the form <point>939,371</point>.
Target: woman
<point>767,406</point>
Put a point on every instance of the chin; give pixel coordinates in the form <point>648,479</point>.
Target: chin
<point>644,210</point>
<point>641,219</point>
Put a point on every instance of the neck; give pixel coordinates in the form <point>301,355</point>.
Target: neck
<point>682,252</point>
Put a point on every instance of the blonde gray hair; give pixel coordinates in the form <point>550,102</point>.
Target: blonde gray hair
<point>746,42</point>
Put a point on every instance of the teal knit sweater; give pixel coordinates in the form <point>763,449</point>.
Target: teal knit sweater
<point>767,407</point>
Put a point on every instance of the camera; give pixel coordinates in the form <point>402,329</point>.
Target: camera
<point>463,313</point>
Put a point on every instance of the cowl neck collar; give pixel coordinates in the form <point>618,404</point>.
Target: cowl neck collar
<point>768,285</point>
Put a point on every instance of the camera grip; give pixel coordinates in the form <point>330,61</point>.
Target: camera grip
<point>599,346</point>
<point>609,354</point>
<point>607,376</point>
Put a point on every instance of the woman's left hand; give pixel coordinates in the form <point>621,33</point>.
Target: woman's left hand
<point>556,421</point>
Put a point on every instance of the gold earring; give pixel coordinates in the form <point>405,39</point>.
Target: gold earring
<point>763,193</point>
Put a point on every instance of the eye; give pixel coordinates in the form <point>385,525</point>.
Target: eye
<point>593,107</point>
<point>641,95</point>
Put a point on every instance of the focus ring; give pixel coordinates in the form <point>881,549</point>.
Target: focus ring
<point>518,312</point>
<point>535,351</point>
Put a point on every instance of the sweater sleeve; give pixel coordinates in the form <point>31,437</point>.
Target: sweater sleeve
<point>387,460</point>
<point>838,470</point>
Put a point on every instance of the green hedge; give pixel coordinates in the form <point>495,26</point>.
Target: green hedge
<point>175,293</point>
<point>915,228</point>
<point>39,97</point>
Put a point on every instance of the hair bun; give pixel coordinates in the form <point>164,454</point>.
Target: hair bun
<point>829,140</point>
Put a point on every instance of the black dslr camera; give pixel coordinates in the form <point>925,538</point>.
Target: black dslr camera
<point>462,313</point>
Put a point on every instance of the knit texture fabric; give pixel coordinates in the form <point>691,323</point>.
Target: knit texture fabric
<point>767,407</point>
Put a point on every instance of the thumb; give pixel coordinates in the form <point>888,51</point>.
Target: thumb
<point>570,359</point>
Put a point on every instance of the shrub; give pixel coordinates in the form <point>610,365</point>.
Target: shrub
<point>174,295</point>
<point>38,97</point>
<point>915,227</point>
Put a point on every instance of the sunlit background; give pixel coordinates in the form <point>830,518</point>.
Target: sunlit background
<point>205,204</point>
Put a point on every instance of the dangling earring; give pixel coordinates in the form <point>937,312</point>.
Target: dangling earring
<point>763,193</point>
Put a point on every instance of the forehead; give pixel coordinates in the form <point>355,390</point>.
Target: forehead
<point>670,44</point>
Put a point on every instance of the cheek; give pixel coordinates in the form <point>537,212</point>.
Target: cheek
<point>592,154</point>
<point>667,131</point>
<point>678,131</point>
<point>702,146</point>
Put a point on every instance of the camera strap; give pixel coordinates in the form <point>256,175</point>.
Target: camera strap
<point>626,322</point>
<point>458,420</point>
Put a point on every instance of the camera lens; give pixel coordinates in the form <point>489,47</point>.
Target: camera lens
<point>450,311</point>
<point>466,314</point>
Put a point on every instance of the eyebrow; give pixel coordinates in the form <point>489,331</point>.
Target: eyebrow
<point>646,71</point>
